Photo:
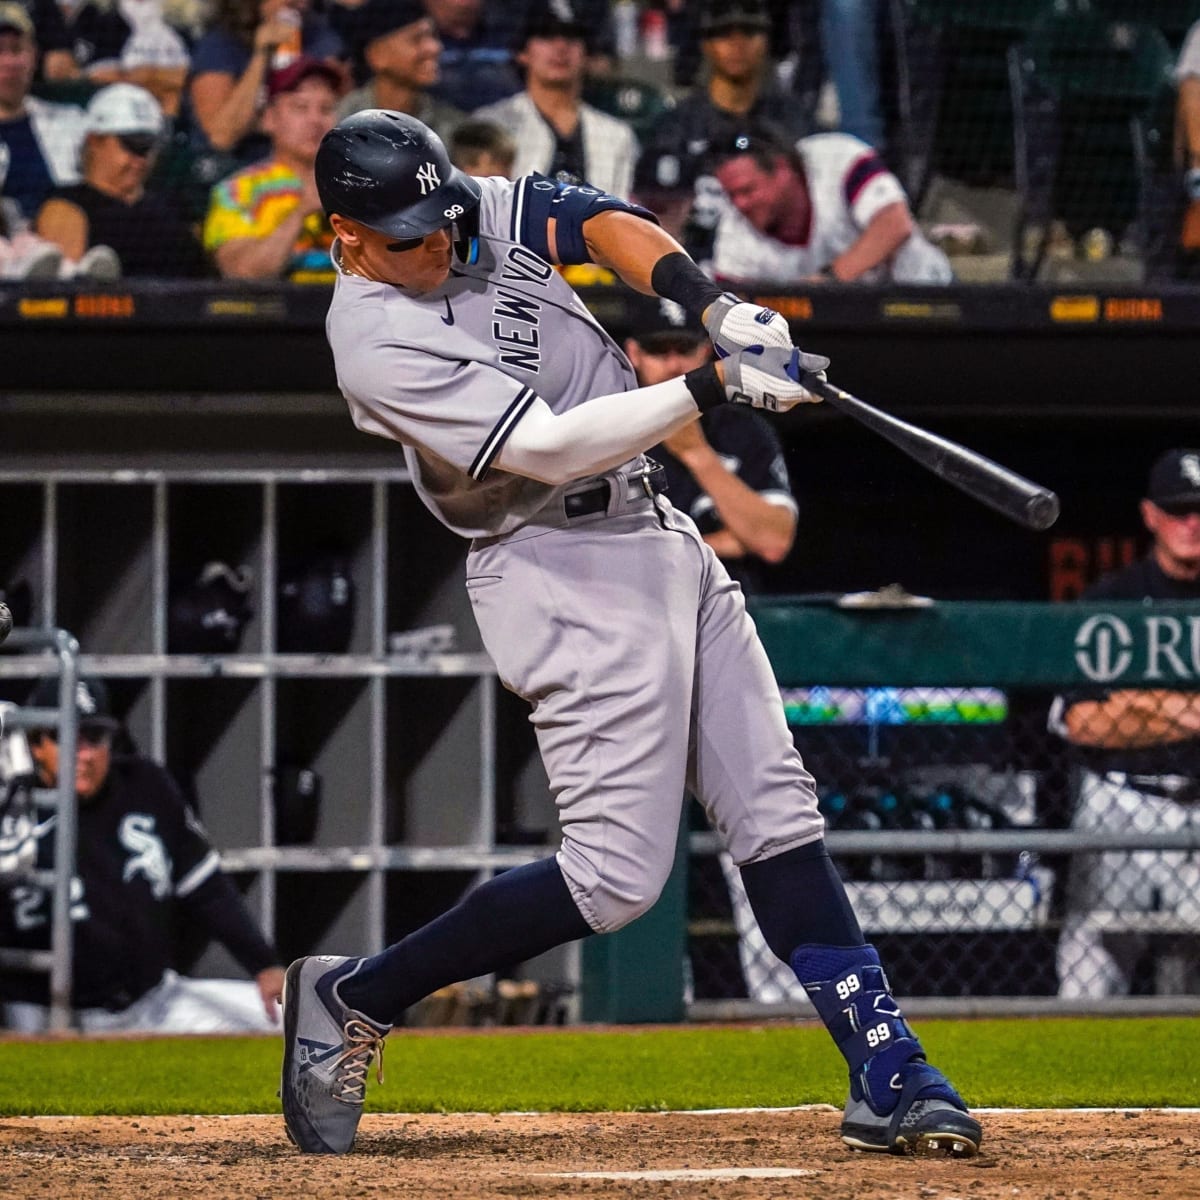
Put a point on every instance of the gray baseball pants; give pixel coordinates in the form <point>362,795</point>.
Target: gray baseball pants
<point>645,675</point>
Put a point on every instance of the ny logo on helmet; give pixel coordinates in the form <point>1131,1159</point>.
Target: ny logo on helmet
<point>427,177</point>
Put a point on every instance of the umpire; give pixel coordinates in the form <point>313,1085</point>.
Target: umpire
<point>141,853</point>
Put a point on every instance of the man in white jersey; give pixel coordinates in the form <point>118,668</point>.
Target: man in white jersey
<point>523,426</point>
<point>826,209</point>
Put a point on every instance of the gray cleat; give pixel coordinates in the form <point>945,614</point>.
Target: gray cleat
<point>929,1118</point>
<point>327,1051</point>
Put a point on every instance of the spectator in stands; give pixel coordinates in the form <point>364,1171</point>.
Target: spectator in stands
<point>826,209</point>
<point>740,90</point>
<point>57,61</point>
<point>24,255</point>
<point>726,471</point>
<point>398,50</point>
<point>39,141</point>
<point>476,65</point>
<point>142,858</point>
<point>482,148</point>
<point>231,63</point>
<point>130,42</point>
<point>266,221</point>
<point>112,207</point>
<point>665,183</point>
<point>557,134</point>
<point>1140,755</point>
<point>1187,125</point>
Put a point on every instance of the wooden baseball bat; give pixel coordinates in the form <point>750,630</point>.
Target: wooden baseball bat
<point>1018,498</point>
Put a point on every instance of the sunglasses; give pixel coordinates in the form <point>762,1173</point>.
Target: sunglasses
<point>140,144</point>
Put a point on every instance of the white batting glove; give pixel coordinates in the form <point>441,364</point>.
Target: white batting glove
<point>771,377</point>
<point>733,325</point>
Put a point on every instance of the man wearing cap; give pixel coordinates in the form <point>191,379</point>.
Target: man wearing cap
<point>266,221</point>
<point>39,141</point>
<point>1140,756</point>
<point>397,50</point>
<point>112,208</point>
<point>557,134</point>
<point>739,91</point>
<point>142,857</point>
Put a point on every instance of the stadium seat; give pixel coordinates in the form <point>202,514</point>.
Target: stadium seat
<point>1172,18</point>
<point>1079,82</point>
<point>953,100</point>
<point>635,101</point>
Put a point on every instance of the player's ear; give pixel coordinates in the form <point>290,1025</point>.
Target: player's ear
<point>345,229</point>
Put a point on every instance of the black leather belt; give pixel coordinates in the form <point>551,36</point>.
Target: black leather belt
<point>595,499</point>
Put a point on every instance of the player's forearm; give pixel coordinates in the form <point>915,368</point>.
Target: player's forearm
<point>1132,720</point>
<point>629,245</point>
<point>887,231</point>
<point>596,436</point>
<point>763,529</point>
<point>1189,121</point>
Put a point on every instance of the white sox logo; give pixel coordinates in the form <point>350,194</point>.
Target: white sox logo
<point>1189,464</point>
<point>148,854</point>
<point>428,178</point>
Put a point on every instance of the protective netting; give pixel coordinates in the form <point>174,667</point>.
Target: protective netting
<point>963,915</point>
<point>1080,119</point>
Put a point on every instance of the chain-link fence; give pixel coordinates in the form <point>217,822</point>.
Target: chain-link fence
<point>1037,835</point>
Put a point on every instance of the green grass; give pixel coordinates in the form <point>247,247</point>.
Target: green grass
<point>1039,1063</point>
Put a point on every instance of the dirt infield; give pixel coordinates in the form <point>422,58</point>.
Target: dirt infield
<point>764,1156</point>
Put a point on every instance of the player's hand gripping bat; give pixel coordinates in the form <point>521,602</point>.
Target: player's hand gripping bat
<point>1016,497</point>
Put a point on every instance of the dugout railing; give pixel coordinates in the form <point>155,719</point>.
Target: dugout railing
<point>991,856</point>
<point>57,652</point>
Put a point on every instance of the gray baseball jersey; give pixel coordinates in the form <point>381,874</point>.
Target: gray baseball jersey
<point>449,373</point>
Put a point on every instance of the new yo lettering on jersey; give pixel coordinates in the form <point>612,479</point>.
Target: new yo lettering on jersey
<point>515,321</point>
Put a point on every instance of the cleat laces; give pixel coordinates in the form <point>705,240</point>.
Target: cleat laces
<point>350,1079</point>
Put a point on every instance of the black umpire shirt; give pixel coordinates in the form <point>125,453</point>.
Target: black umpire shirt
<point>140,851</point>
<point>1142,580</point>
<point>750,449</point>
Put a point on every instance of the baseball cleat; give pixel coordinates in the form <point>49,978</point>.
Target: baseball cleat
<point>929,1117</point>
<point>327,1051</point>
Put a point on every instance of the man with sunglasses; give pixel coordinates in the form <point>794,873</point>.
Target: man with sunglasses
<point>1140,755</point>
<point>112,214</point>
<point>142,858</point>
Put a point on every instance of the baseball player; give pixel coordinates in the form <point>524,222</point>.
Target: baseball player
<point>1140,754</point>
<point>600,604</point>
<point>825,208</point>
<point>141,854</point>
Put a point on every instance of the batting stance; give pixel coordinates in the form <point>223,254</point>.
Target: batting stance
<point>523,427</point>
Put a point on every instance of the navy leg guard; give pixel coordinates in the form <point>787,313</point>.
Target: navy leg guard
<point>898,1101</point>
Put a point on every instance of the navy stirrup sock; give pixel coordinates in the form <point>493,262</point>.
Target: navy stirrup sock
<point>513,917</point>
<point>798,898</point>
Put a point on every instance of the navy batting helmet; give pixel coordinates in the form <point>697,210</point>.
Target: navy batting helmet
<point>390,172</point>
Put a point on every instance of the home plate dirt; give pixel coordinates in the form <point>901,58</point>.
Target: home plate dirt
<point>731,1156</point>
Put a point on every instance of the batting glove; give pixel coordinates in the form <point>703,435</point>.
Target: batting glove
<point>772,378</point>
<point>734,325</point>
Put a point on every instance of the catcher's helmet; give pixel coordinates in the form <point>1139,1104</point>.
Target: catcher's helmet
<point>392,173</point>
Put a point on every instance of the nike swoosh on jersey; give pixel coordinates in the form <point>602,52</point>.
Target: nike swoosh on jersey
<point>448,319</point>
